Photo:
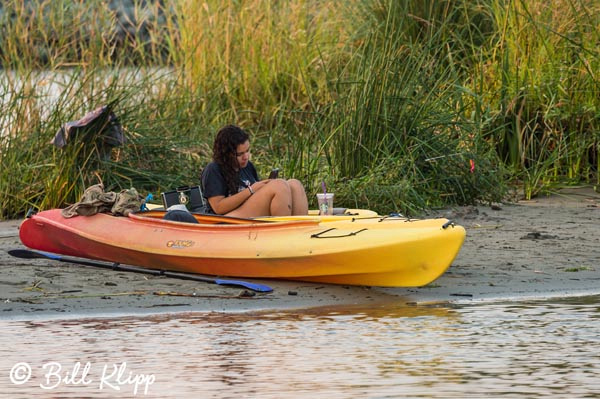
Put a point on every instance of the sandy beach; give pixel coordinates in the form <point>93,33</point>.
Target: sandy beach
<point>546,247</point>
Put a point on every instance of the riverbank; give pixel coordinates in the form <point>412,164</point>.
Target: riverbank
<point>547,247</point>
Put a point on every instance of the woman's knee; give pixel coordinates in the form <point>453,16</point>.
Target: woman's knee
<point>295,184</point>
<point>280,186</point>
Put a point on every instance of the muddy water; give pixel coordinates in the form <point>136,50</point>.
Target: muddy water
<point>525,349</point>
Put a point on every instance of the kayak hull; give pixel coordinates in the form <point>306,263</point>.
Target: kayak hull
<point>308,249</point>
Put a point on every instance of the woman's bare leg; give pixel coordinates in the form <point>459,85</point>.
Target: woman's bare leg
<point>281,204</point>
<point>273,199</point>
<point>299,200</point>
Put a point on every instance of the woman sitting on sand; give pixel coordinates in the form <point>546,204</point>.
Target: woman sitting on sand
<point>232,187</point>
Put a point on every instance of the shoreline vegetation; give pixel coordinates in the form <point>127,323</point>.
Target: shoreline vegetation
<point>396,105</point>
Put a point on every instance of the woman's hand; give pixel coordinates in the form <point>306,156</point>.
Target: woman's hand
<point>259,184</point>
<point>223,205</point>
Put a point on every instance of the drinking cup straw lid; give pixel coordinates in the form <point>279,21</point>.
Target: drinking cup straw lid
<point>324,188</point>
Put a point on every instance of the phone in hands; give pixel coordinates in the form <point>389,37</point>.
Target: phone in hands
<point>274,173</point>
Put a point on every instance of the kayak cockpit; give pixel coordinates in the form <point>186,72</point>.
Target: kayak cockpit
<point>200,217</point>
<point>157,216</point>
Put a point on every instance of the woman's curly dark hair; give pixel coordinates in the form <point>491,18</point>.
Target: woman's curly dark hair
<point>224,154</point>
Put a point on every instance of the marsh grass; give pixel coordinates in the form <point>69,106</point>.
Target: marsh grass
<point>543,87</point>
<point>405,119</point>
<point>391,103</point>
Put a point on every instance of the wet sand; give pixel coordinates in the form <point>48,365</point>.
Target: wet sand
<point>546,247</point>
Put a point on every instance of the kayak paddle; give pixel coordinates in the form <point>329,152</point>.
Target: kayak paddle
<point>29,254</point>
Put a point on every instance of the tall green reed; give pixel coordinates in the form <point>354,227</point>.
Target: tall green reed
<point>54,34</point>
<point>389,101</point>
<point>403,114</point>
<point>67,63</point>
<point>37,173</point>
<point>544,85</point>
<point>259,58</point>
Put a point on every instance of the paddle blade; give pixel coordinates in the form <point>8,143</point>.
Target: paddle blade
<point>253,286</point>
<point>29,254</point>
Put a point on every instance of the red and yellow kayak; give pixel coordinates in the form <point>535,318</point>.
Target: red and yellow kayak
<point>367,250</point>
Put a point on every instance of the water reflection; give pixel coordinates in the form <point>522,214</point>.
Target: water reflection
<point>532,349</point>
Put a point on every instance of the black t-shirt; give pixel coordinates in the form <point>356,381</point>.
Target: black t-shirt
<point>213,181</point>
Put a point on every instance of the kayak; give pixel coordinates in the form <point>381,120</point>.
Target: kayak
<point>372,220</point>
<point>353,250</point>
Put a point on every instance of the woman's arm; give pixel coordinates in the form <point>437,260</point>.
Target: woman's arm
<point>222,205</point>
